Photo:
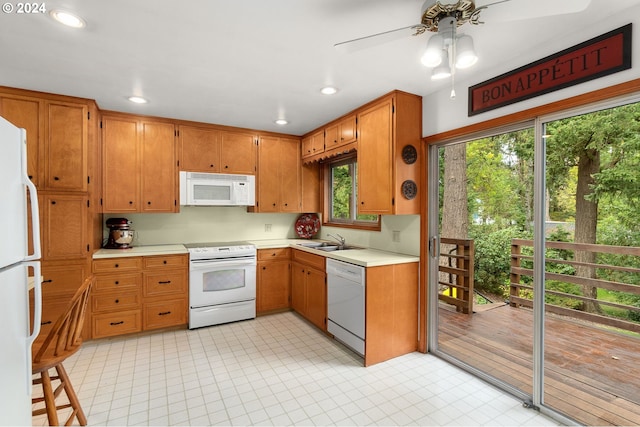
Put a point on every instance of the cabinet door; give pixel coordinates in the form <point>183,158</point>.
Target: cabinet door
<point>331,136</point>
<point>238,153</point>
<point>274,284</point>
<point>199,149</point>
<point>313,144</point>
<point>158,167</point>
<point>347,130</point>
<point>310,188</point>
<point>121,165</point>
<point>375,159</point>
<point>268,197</point>
<point>62,279</point>
<point>26,113</point>
<point>316,295</point>
<point>64,226</point>
<point>298,293</point>
<point>66,146</point>
<point>289,170</point>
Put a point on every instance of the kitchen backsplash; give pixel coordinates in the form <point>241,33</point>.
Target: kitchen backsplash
<point>223,224</point>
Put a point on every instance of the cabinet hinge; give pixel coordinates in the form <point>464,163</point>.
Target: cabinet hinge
<point>100,201</point>
<point>88,249</point>
<point>100,124</point>
<point>178,163</point>
<point>176,132</point>
<point>88,115</point>
<point>393,201</point>
<point>393,109</point>
<point>88,180</point>
<point>88,203</point>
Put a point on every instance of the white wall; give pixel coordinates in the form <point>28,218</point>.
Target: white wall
<point>441,114</point>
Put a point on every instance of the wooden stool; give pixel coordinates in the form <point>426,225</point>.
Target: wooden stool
<point>63,340</point>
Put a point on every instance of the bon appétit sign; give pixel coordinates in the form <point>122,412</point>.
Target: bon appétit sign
<point>600,56</point>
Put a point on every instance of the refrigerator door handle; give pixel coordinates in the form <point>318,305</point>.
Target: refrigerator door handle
<point>37,303</point>
<point>33,197</point>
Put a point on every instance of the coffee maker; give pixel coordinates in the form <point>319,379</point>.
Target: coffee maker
<point>120,233</point>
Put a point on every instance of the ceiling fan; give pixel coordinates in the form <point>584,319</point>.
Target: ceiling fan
<point>468,11</point>
<point>447,50</point>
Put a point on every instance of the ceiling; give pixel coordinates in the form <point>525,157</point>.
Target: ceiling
<point>246,63</point>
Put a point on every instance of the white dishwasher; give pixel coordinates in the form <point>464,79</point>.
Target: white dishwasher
<point>345,303</point>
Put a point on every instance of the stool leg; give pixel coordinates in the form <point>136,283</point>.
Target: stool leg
<point>49,399</point>
<point>71,394</point>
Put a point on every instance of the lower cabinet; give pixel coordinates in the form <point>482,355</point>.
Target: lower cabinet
<point>309,287</point>
<point>134,294</point>
<point>273,280</point>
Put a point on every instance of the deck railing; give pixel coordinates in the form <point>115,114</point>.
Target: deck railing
<point>521,289</point>
<point>456,273</point>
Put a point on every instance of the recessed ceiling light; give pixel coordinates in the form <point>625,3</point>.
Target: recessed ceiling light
<point>67,18</point>
<point>137,99</point>
<point>281,122</point>
<point>328,90</point>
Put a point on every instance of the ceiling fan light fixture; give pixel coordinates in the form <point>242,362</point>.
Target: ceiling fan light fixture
<point>465,53</point>
<point>432,57</point>
<point>443,70</point>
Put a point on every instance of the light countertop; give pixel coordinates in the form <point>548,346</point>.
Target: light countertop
<point>141,251</point>
<point>364,257</point>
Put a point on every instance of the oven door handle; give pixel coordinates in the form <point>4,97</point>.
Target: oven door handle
<point>201,264</point>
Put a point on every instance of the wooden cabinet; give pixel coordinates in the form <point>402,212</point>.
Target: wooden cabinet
<point>310,188</point>
<point>134,294</point>
<point>278,187</point>
<point>139,164</point>
<point>313,144</point>
<point>340,133</point>
<point>273,280</point>
<point>389,130</point>
<point>64,226</point>
<point>207,149</point>
<point>26,112</point>
<point>391,303</point>
<point>309,287</point>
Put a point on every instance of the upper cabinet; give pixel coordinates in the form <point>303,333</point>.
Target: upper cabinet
<point>389,132</point>
<point>207,149</point>
<point>58,149</point>
<point>341,133</point>
<point>278,188</point>
<point>139,165</point>
<point>313,144</point>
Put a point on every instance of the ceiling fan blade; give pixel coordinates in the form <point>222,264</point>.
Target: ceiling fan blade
<point>516,10</point>
<point>379,38</point>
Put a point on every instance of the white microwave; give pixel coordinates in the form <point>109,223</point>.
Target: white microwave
<point>217,189</point>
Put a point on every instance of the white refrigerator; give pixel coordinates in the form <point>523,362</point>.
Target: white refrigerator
<point>16,265</point>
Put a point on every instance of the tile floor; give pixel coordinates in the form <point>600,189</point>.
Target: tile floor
<point>275,370</point>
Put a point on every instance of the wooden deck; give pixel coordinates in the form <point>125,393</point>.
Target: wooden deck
<point>591,375</point>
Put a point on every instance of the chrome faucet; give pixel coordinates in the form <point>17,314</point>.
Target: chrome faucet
<point>339,238</point>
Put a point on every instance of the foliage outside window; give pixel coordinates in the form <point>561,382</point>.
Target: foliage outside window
<point>342,189</point>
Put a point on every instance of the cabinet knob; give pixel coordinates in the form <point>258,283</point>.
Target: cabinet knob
<point>164,261</point>
<point>130,202</point>
<point>53,202</point>
<point>148,203</point>
<point>211,166</point>
<point>286,204</point>
<point>55,178</point>
<point>117,301</point>
<point>274,204</point>
<point>117,282</point>
<point>264,268</point>
<point>117,265</point>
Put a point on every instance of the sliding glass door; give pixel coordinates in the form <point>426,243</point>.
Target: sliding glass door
<point>535,261</point>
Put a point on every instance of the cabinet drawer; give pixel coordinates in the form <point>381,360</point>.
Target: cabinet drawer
<point>166,261</point>
<point>116,301</point>
<point>276,253</point>
<point>125,322</point>
<point>109,283</point>
<point>111,265</point>
<point>316,261</point>
<point>165,283</point>
<point>165,313</point>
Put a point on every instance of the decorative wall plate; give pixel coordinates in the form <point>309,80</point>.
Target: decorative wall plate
<point>307,225</point>
<point>409,189</point>
<point>409,154</point>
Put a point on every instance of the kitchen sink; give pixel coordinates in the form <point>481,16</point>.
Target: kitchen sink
<point>328,246</point>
